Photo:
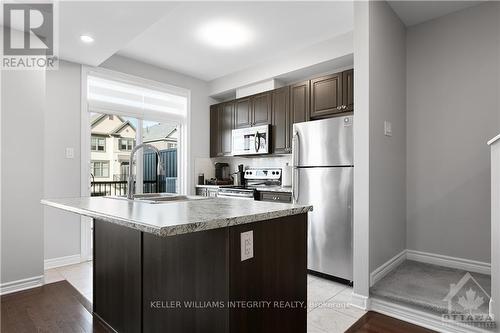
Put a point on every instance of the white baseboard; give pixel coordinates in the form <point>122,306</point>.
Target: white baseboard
<point>452,262</point>
<point>61,261</point>
<point>23,284</point>
<point>386,267</point>
<point>360,301</point>
<point>420,318</point>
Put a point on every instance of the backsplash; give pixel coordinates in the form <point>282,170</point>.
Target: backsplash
<point>206,165</point>
<point>274,161</point>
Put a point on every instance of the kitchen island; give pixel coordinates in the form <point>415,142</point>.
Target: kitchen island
<point>197,265</point>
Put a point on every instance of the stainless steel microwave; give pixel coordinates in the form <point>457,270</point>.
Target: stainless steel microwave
<point>251,140</point>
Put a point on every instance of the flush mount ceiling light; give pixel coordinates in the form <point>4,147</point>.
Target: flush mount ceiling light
<point>86,39</point>
<point>224,34</point>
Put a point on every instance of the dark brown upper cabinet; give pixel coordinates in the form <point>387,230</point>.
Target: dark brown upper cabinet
<point>281,120</point>
<point>299,106</point>
<point>226,124</point>
<point>215,146</point>
<point>242,113</point>
<point>326,95</point>
<point>299,102</point>
<point>348,90</point>
<point>221,127</point>
<point>261,109</point>
<point>332,94</point>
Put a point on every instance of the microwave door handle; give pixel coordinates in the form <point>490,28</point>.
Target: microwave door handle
<point>257,142</point>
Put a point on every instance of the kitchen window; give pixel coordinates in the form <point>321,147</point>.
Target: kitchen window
<point>127,144</point>
<point>143,111</point>
<point>100,169</point>
<point>97,144</point>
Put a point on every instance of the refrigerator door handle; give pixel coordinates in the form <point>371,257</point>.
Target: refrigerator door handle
<point>295,149</point>
<point>295,157</point>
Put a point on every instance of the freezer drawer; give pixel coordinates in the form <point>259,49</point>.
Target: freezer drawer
<point>329,190</point>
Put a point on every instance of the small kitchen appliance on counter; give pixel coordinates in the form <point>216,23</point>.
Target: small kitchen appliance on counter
<point>222,171</point>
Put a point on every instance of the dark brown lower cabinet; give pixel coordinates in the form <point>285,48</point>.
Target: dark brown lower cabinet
<point>117,276</point>
<point>196,282</point>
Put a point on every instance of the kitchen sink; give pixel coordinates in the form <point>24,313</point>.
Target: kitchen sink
<point>156,198</point>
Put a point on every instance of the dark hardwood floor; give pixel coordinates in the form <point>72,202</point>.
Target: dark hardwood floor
<point>373,322</point>
<point>59,307</point>
<point>54,307</point>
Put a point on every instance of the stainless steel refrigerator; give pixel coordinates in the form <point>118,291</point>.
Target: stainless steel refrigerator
<point>323,176</point>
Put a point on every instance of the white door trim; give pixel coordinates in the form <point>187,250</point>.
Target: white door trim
<point>85,222</point>
<point>420,318</point>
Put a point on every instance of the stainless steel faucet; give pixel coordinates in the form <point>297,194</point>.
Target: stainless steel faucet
<point>159,167</point>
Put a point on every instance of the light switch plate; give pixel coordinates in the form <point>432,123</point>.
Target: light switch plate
<point>246,245</point>
<point>70,153</point>
<point>387,128</point>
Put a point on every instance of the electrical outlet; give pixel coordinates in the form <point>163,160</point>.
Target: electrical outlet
<point>246,245</point>
<point>70,153</point>
<point>387,128</point>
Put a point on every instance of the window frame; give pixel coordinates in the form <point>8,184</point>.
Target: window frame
<point>128,140</point>
<point>97,137</point>
<point>102,162</point>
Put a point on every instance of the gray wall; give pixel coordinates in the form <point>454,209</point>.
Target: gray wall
<point>452,110</point>
<point>387,189</point>
<point>23,98</point>
<point>62,175</point>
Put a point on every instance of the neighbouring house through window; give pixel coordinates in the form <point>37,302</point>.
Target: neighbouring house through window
<point>124,169</point>
<point>100,169</point>
<point>97,143</point>
<point>127,144</point>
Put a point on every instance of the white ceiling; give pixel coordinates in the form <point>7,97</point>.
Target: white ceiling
<point>164,33</point>
<point>112,24</point>
<point>278,27</point>
<point>415,12</point>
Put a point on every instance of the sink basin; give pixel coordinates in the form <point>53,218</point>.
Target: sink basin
<point>156,198</point>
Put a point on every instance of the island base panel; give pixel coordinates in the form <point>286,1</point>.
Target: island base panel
<point>200,267</point>
<point>277,273</point>
<point>117,276</point>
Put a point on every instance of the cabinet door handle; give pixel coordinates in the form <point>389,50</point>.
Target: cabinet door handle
<point>339,107</point>
<point>344,107</point>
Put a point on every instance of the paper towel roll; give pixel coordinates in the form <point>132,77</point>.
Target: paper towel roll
<point>286,176</point>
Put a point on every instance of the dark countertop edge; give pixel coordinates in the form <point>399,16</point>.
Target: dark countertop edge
<point>183,228</point>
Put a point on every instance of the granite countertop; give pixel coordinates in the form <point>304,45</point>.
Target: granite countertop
<point>179,217</point>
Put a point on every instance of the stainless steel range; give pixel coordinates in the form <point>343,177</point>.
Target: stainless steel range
<point>254,178</point>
